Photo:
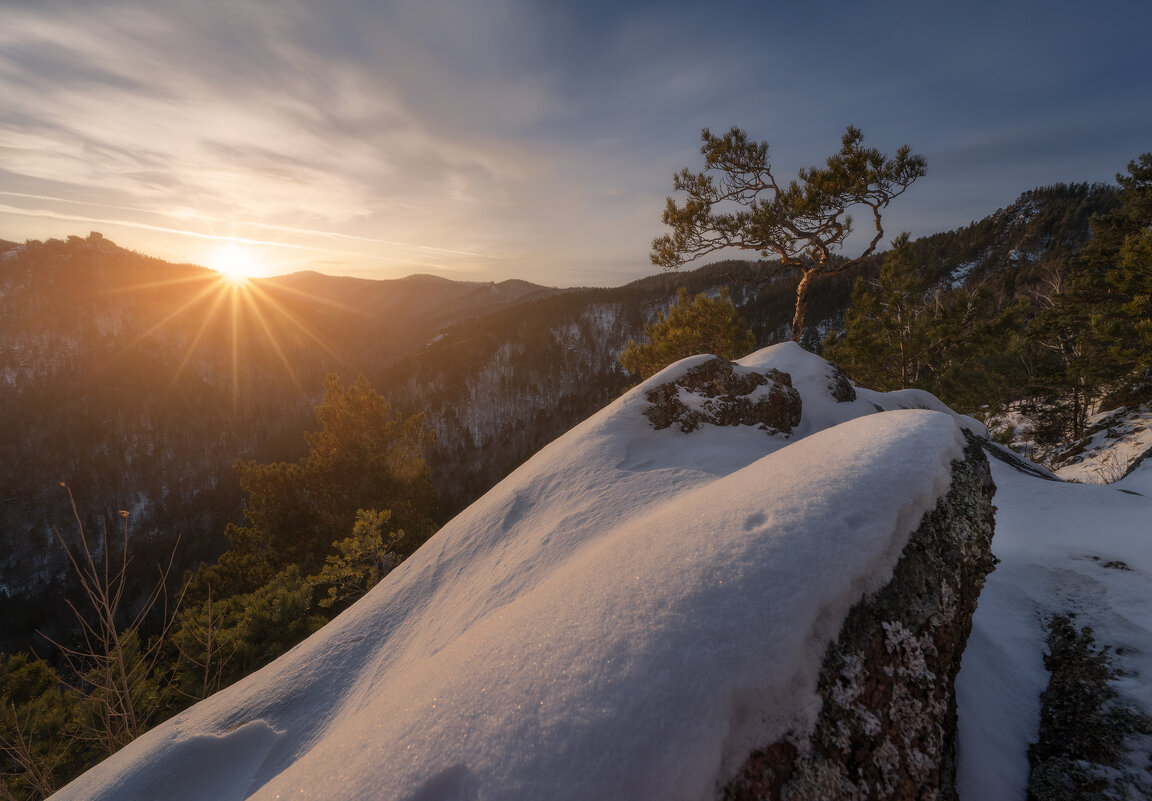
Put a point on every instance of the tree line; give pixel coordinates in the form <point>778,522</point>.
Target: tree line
<point>1077,343</point>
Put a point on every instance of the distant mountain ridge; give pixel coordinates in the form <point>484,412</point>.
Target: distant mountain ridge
<point>413,295</point>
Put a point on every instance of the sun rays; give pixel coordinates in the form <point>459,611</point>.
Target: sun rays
<point>229,314</point>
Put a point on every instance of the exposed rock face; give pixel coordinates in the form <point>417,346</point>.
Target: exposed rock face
<point>723,393</point>
<point>841,387</point>
<point>887,727</point>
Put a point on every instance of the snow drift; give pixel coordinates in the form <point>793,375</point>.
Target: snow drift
<point>625,616</point>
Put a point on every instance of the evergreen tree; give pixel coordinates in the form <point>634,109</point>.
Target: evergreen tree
<point>886,329</point>
<point>1132,280</point>
<point>974,353</point>
<point>42,733</point>
<point>803,223</point>
<point>360,561</point>
<point>366,455</point>
<point>690,326</point>
<point>219,641</point>
<point>1088,343</point>
<point>1130,283</point>
<point>902,331</point>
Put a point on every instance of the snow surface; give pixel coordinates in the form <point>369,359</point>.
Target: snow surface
<point>1120,437</point>
<point>622,617</point>
<point>1063,548</point>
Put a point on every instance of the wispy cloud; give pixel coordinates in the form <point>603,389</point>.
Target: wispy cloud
<point>225,112</point>
<point>126,223</point>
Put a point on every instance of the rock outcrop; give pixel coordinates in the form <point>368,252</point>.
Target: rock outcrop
<point>887,725</point>
<point>723,393</point>
<point>840,386</point>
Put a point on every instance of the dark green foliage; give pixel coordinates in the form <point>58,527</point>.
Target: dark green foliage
<point>360,561</point>
<point>1070,367</point>
<point>802,223</point>
<point>903,330</point>
<point>365,455</point>
<point>40,728</point>
<point>240,613</point>
<point>691,326</point>
<point>236,571</point>
<point>258,599</point>
<point>121,693</point>
<point>52,729</point>
<point>981,372</point>
<point>220,641</point>
<point>108,684</point>
<point>1090,338</point>
<point>988,317</point>
<point>887,330</point>
<point>1132,282</point>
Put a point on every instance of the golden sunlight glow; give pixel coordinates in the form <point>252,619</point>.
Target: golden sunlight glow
<point>234,264</point>
<point>256,320</point>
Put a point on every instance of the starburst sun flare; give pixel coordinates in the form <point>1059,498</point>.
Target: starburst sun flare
<point>235,264</point>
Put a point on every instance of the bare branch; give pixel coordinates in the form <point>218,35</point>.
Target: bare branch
<point>112,667</point>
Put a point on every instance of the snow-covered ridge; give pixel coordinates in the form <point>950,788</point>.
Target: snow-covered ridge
<point>625,616</point>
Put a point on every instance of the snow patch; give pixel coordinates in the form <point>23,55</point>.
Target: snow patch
<point>959,276</point>
<point>1116,440</point>
<point>218,766</point>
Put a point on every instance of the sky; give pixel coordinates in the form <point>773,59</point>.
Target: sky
<point>529,139</point>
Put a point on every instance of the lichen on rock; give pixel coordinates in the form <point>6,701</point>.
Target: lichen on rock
<point>887,725</point>
<point>722,393</point>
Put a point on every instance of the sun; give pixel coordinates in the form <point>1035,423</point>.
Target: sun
<point>234,264</point>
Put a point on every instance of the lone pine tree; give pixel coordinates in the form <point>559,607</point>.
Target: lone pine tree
<point>737,202</point>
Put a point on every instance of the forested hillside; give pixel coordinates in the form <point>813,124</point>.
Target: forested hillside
<point>1036,319</point>
<point>139,382</point>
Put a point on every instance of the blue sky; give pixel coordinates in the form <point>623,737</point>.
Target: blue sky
<point>496,139</point>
